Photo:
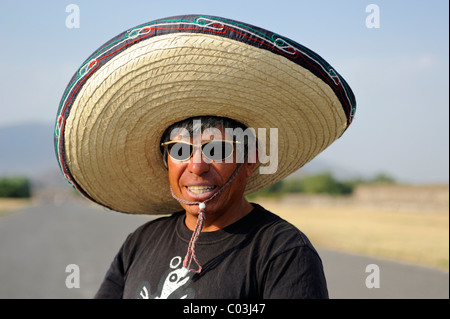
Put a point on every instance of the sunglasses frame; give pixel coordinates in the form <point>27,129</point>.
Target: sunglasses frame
<point>201,147</point>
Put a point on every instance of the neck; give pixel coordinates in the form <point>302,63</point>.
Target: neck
<point>220,219</point>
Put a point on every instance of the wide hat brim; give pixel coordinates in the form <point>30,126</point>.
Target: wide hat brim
<point>120,101</point>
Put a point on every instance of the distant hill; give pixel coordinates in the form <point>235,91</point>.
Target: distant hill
<point>27,150</point>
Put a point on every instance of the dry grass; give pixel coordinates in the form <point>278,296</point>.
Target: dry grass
<point>410,236</point>
<point>10,204</point>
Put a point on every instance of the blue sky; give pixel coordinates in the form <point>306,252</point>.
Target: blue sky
<point>398,72</point>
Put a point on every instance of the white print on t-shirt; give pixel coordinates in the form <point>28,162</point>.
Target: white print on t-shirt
<point>172,284</point>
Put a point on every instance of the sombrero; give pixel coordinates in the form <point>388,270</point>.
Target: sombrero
<point>120,101</point>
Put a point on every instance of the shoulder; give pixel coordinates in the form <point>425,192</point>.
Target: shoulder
<point>159,223</point>
<point>278,233</point>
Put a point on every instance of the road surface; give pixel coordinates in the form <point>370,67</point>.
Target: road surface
<point>40,245</point>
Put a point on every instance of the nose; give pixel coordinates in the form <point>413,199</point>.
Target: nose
<point>196,163</point>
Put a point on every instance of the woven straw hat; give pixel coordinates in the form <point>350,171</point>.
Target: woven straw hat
<point>120,101</point>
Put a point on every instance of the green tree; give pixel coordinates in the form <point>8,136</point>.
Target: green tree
<point>16,187</point>
<point>292,186</point>
<point>383,179</point>
<point>325,183</point>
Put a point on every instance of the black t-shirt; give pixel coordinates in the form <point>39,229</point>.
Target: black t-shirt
<point>259,256</point>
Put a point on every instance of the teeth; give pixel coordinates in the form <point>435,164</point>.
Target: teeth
<point>201,189</point>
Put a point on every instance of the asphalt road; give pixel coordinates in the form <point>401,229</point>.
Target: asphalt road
<point>38,244</point>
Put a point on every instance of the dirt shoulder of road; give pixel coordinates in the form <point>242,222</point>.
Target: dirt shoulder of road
<point>408,224</point>
<point>12,204</point>
<point>402,223</point>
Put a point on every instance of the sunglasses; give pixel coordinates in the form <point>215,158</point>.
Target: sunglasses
<point>214,150</point>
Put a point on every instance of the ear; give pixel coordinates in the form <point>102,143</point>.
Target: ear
<point>249,167</point>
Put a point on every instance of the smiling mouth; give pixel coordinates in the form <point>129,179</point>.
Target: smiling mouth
<point>200,189</point>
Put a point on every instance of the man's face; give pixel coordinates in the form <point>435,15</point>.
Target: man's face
<point>197,179</point>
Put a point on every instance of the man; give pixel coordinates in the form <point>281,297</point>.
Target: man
<point>146,126</point>
<point>243,250</point>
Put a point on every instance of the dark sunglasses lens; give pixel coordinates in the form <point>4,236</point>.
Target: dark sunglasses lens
<point>180,151</point>
<point>217,150</point>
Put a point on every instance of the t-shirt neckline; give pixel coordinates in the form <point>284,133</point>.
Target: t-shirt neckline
<point>239,227</point>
